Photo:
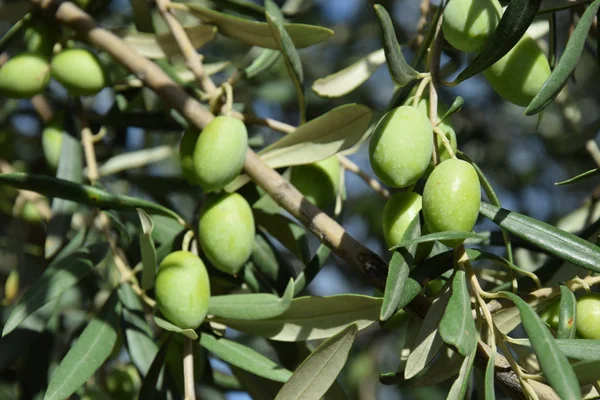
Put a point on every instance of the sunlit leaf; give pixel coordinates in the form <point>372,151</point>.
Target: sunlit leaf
<point>167,326</point>
<point>461,384</point>
<point>457,327</point>
<point>148,250</point>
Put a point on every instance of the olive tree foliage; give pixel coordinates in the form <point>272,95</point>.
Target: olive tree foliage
<point>179,185</point>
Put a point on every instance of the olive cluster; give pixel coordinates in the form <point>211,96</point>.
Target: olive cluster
<point>521,73</point>
<point>28,73</point>
<point>400,152</point>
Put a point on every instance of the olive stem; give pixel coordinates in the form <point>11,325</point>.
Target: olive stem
<point>192,58</point>
<point>421,90</point>
<point>433,64</point>
<point>188,369</point>
<point>228,98</point>
<point>187,240</point>
<point>439,133</point>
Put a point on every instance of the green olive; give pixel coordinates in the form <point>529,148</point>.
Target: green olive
<point>588,316</point>
<point>30,213</point>
<point>318,182</point>
<point>521,73</point>
<point>123,383</point>
<point>24,76</point>
<point>434,287</point>
<point>451,198</point>
<point>40,36</point>
<point>52,137</point>
<point>226,231</point>
<point>186,154</point>
<point>467,24</point>
<point>401,146</point>
<point>220,152</point>
<point>79,71</point>
<point>183,289</point>
<point>550,314</point>
<point>11,287</point>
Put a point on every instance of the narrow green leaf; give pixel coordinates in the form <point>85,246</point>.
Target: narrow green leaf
<point>557,242</point>
<point>554,364</point>
<point>448,235</point>
<point>400,71</point>
<point>475,255</point>
<point>311,318</point>
<point>444,367</point>
<point>580,349</point>
<point>457,327</point>
<point>257,387</point>
<point>70,167</point>
<point>262,63</point>
<point>83,194</point>
<point>55,280</point>
<point>583,176</point>
<point>428,341</point>
<point>351,77</point>
<point>244,357</point>
<point>148,250</point>
<point>411,290</point>
<point>455,107</point>
<point>118,224</point>
<point>152,383</point>
<point>587,372</point>
<point>332,132</point>
<point>399,269</point>
<point>138,335</point>
<point>87,355</point>
<point>311,270</point>
<point>290,54</point>
<point>567,314</point>
<point>251,306</point>
<point>567,63</point>
<point>258,33</point>
<point>167,326</point>
<point>285,231</point>
<point>514,22</point>
<point>142,16</point>
<point>317,373</point>
<point>461,384</point>
<point>556,5</point>
<point>490,387</point>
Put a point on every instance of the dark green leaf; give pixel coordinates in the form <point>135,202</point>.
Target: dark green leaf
<point>557,242</point>
<point>448,235</point>
<point>580,349</point>
<point>70,167</point>
<point>55,280</point>
<point>87,355</point>
<point>118,224</point>
<point>567,63</point>
<point>288,233</point>
<point>553,363</point>
<point>400,71</point>
<point>444,367</point>
<point>567,314</point>
<point>262,63</point>
<point>312,268</point>
<point>164,45</point>
<point>83,194</point>
<point>456,106</point>
<point>490,388</point>
<point>311,318</point>
<point>461,384</point>
<point>152,384</point>
<point>258,33</point>
<point>457,327</point>
<point>516,19</point>
<point>142,16</point>
<point>257,387</point>
<point>580,177</point>
<point>148,250</point>
<point>244,357</point>
<point>167,326</point>
<point>317,373</point>
<point>251,306</point>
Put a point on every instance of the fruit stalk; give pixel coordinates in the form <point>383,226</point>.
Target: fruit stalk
<point>188,369</point>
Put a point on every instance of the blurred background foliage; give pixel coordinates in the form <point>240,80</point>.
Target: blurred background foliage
<point>523,160</point>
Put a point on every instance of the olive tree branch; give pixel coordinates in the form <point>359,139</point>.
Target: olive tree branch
<point>368,265</point>
<point>434,69</point>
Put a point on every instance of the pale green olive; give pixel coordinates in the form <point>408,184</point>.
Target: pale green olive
<point>521,73</point>
<point>550,314</point>
<point>40,36</point>
<point>318,182</point>
<point>24,76</point>
<point>451,198</point>
<point>226,232</point>
<point>467,24</point>
<point>52,137</point>
<point>183,289</point>
<point>588,316</point>
<point>79,71</point>
<point>220,152</point>
<point>401,146</point>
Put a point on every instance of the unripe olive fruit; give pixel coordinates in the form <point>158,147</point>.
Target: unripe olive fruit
<point>220,152</point>
<point>226,231</point>
<point>30,213</point>
<point>52,137</point>
<point>451,198</point>
<point>398,213</point>
<point>123,383</point>
<point>588,316</point>
<point>40,36</point>
<point>318,182</point>
<point>467,24</point>
<point>24,76</point>
<point>550,314</point>
<point>401,146</point>
<point>79,71</point>
<point>521,73</point>
<point>183,289</point>
<point>186,154</point>
<point>434,287</point>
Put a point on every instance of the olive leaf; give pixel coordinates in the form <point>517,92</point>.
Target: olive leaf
<point>584,175</point>
<point>448,235</point>
<point>567,63</point>
<point>167,326</point>
<point>567,314</point>
<point>457,327</point>
<point>148,250</point>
